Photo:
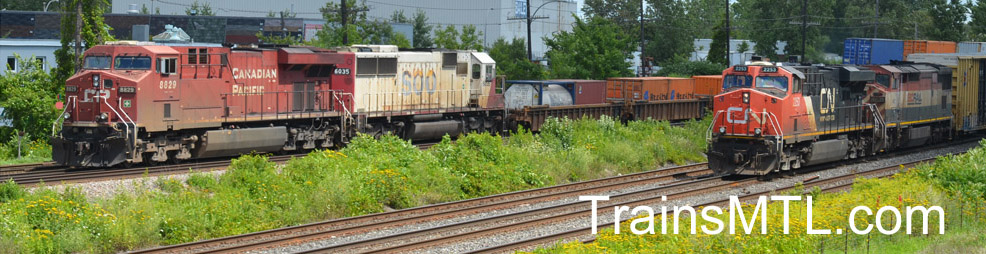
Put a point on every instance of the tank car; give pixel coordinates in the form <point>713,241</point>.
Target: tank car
<point>776,118</point>
<point>145,102</point>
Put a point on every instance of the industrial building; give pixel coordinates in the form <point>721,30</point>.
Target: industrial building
<point>495,19</point>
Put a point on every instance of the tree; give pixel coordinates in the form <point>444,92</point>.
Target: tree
<point>447,38</point>
<point>717,50</point>
<point>144,10</point>
<point>669,30</point>
<point>199,10</point>
<point>94,32</point>
<point>511,60</point>
<point>29,98</point>
<point>596,48</point>
<point>978,24</point>
<point>422,30</point>
<point>759,23</point>
<point>23,5</point>
<point>470,38</point>
<point>743,47</point>
<point>949,18</point>
<point>359,29</point>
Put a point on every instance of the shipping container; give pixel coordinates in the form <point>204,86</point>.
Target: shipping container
<point>970,47</point>
<point>913,47</point>
<point>969,94</point>
<point>650,88</point>
<point>708,85</point>
<point>588,91</point>
<point>862,51</point>
<point>950,60</point>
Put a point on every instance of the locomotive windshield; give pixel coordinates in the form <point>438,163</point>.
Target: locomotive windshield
<point>736,81</point>
<point>775,82</point>
<point>132,63</point>
<point>96,62</point>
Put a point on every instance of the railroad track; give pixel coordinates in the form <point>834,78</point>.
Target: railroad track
<point>34,173</point>
<point>834,184</point>
<point>21,168</point>
<point>373,222</point>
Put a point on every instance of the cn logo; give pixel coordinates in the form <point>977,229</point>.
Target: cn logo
<point>729,115</point>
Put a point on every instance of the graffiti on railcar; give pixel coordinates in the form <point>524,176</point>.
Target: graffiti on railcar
<point>418,78</point>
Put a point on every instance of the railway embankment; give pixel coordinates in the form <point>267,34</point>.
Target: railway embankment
<point>371,175</point>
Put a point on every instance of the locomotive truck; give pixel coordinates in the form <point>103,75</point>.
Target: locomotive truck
<point>777,118</point>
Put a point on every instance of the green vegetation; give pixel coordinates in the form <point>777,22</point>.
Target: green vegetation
<point>367,176</point>
<point>681,67</point>
<point>29,105</point>
<point>594,49</point>
<point>954,183</point>
<point>511,60</point>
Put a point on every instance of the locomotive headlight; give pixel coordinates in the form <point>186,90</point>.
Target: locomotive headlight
<point>722,129</point>
<point>95,80</point>
<point>757,131</point>
<point>67,115</point>
<point>104,116</point>
<point>746,98</point>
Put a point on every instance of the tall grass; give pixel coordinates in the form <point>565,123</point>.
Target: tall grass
<point>370,175</point>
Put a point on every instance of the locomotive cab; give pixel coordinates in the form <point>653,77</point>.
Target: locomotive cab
<point>99,127</point>
<point>746,129</point>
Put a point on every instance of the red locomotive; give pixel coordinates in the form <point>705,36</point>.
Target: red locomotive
<point>145,102</point>
<point>776,118</point>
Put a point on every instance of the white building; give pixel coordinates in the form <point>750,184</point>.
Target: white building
<point>701,50</point>
<point>495,19</point>
<point>39,50</point>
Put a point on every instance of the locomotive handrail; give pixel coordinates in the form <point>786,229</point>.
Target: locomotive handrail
<point>122,120</point>
<point>708,132</point>
<point>118,103</point>
<point>61,117</point>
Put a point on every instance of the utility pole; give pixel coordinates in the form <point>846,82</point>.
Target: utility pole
<point>642,43</point>
<point>729,40</point>
<point>345,19</point>
<point>876,18</point>
<point>529,20</point>
<point>78,35</point>
<point>804,29</point>
<point>528,12</point>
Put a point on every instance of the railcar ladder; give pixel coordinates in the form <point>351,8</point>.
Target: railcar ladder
<point>347,116</point>
<point>879,128</point>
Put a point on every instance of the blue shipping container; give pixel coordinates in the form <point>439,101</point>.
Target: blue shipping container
<point>872,51</point>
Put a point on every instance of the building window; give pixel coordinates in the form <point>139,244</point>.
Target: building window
<point>41,62</point>
<point>11,63</point>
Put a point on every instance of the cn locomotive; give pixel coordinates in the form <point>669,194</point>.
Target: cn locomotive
<point>776,118</point>
<point>147,103</point>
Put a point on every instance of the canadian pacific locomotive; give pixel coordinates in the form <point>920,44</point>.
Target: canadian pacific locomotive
<point>776,118</point>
